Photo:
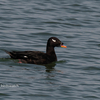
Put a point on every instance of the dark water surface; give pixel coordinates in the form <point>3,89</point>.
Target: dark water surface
<point>26,25</point>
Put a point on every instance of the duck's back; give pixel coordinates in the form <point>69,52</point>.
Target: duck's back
<point>35,57</point>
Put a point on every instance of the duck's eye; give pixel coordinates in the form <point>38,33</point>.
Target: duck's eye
<point>53,40</point>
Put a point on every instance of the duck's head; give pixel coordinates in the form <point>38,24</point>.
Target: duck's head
<point>55,42</point>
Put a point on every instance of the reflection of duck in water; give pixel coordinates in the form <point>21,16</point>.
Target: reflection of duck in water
<point>50,67</point>
<point>37,57</point>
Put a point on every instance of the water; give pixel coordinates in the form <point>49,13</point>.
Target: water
<point>27,25</point>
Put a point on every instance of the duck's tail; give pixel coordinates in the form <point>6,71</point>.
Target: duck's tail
<point>7,52</point>
<point>10,53</point>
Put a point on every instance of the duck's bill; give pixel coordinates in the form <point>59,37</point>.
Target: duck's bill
<point>63,46</point>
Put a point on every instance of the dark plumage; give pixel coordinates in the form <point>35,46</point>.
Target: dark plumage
<point>37,57</point>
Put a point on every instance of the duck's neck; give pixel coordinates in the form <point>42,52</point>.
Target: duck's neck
<point>51,52</point>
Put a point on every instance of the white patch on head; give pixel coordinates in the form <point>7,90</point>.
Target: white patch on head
<point>53,40</point>
<point>25,57</point>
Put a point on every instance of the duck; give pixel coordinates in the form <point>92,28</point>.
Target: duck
<point>38,57</point>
